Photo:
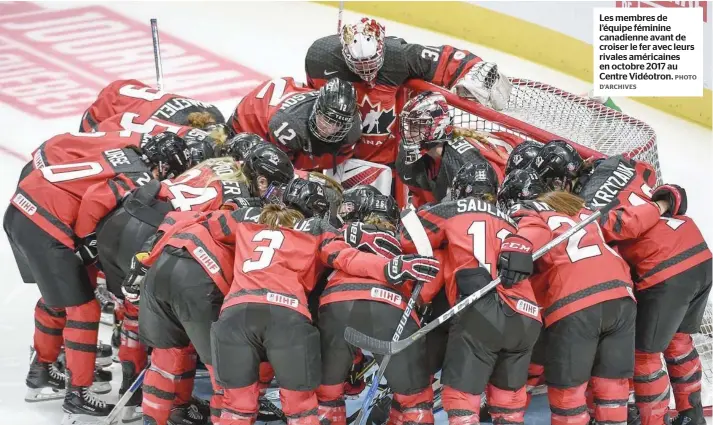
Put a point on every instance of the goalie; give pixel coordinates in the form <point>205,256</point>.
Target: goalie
<point>379,66</point>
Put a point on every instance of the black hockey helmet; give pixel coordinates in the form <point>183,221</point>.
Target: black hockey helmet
<point>333,112</point>
<point>169,153</point>
<point>362,200</point>
<point>475,179</point>
<point>269,161</point>
<point>520,185</point>
<point>557,164</point>
<point>522,155</point>
<point>305,196</point>
<point>201,145</point>
<point>239,146</point>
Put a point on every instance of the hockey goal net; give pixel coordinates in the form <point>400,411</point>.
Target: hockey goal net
<point>541,112</point>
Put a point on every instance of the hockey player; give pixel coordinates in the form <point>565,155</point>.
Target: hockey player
<point>585,291</point>
<point>671,264</point>
<point>476,237</point>
<point>190,274</point>
<point>265,316</point>
<point>317,128</point>
<point>374,307</point>
<point>144,103</point>
<point>39,224</point>
<point>378,66</point>
<point>429,157</point>
<point>522,155</point>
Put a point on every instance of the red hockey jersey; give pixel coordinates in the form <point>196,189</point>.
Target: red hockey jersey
<point>573,275</point>
<point>67,147</point>
<point>136,97</point>
<point>198,189</point>
<point>665,248</point>
<point>209,240</point>
<point>279,110</point>
<point>470,232</point>
<point>282,266</point>
<point>441,65</point>
<point>51,196</point>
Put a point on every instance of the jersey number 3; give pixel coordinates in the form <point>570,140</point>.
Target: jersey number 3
<point>276,239</point>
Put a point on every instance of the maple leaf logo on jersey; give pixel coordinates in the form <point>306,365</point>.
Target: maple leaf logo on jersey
<point>374,119</point>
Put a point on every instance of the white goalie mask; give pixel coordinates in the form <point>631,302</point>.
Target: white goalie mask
<point>363,47</point>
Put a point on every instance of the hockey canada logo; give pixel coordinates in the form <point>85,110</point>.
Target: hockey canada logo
<point>375,120</point>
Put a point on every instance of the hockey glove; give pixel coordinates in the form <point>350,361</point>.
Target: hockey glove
<point>485,84</point>
<point>237,203</point>
<point>369,238</point>
<point>515,260</point>
<point>131,286</point>
<point>411,267</point>
<point>471,280</point>
<point>87,249</point>
<point>675,196</point>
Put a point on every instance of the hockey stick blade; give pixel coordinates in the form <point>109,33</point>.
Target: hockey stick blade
<point>377,346</point>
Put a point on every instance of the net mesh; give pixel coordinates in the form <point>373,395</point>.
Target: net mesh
<point>535,106</point>
<point>571,117</point>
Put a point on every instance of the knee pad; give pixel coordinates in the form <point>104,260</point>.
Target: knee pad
<point>611,397</point>
<point>300,407</point>
<point>506,406</point>
<point>685,370</point>
<point>461,408</point>
<point>650,388</point>
<point>568,405</point>
<point>80,340</point>
<point>412,409</point>
<point>332,409</point>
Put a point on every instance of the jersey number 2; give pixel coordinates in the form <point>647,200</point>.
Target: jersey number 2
<point>276,239</point>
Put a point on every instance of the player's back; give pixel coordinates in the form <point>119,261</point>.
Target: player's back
<point>575,274</point>
<point>670,247</point>
<point>50,196</point>
<point>72,146</point>
<point>137,97</point>
<point>256,109</point>
<point>204,187</point>
<point>277,266</point>
<point>472,233</point>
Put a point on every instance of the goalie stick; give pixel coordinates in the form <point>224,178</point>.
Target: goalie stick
<point>377,346</point>
<point>413,226</point>
<point>157,54</point>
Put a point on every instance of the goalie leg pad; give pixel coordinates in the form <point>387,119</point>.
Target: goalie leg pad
<point>462,408</point>
<point>650,388</point>
<point>506,406</point>
<point>80,340</point>
<point>49,324</point>
<point>684,368</point>
<point>610,400</point>
<point>568,405</point>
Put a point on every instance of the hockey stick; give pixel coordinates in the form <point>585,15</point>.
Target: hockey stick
<point>377,346</point>
<point>413,226</point>
<point>112,416</point>
<point>157,54</point>
<point>339,21</point>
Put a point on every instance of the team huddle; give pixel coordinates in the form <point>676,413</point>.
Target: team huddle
<point>249,245</point>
